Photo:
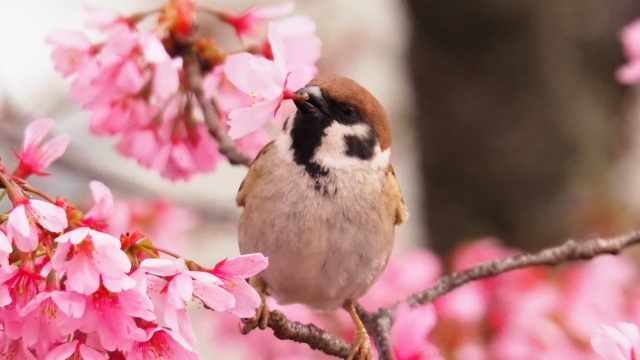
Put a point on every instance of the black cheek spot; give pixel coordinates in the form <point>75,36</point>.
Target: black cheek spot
<point>361,148</point>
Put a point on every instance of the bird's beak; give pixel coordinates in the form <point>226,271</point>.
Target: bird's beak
<point>314,104</point>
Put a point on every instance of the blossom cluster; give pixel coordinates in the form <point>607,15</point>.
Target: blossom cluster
<point>135,83</point>
<point>69,289</point>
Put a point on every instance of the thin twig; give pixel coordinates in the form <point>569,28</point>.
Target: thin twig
<point>226,145</point>
<point>569,251</point>
<point>379,322</point>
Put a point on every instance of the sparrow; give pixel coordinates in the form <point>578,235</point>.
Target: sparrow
<point>321,201</point>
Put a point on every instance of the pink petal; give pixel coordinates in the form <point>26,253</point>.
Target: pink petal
<point>166,80</point>
<point>5,297</point>
<point>411,329</point>
<point>103,240</point>
<point>257,77</point>
<point>277,48</point>
<point>629,73</point>
<point>163,267</point>
<point>213,296</point>
<point>69,39</point>
<point>245,266</point>
<point>103,198</point>
<point>73,236</point>
<point>88,353</point>
<point>152,49</point>
<point>180,287</point>
<point>82,277</point>
<point>130,79</point>
<point>248,119</point>
<point>275,10</point>
<point>35,132</point>
<point>247,299</point>
<point>5,243</point>
<point>53,150</point>
<point>51,217</point>
<point>63,351</point>
<point>18,221</point>
<point>70,303</point>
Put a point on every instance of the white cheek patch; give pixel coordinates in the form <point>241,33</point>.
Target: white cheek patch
<point>331,153</point>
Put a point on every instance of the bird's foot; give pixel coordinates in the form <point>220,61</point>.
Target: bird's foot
<point>361,347</point>
<point>261,318</point>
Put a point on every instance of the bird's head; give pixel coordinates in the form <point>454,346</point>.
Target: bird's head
<point>339,125</point>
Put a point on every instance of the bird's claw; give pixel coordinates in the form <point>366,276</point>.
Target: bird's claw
<point>361,347</point>
<point>260,320</point>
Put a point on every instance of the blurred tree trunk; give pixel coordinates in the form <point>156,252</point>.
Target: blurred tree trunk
<point>519,115</point>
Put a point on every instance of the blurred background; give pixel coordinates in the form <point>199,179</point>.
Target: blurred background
<point>507,118</point>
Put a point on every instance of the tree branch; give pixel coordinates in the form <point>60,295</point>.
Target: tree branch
<point>379,322</point>
<point>226,145</point>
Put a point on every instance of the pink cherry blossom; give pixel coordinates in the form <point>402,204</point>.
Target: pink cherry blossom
<point>410,333</point>
<point>234,273</point>
<point>24,219</point>
<point>74,350</point>
<point>103,203</point>
<point>15,349</point>
<point>170,296</point>
<point>617,343</point>
<point>111,315</point>
<point>95,258</point>
<point>50,316</point>
<point>72,49</point>
<point>249,22</point>
<point>158,343</point>
<point>630,37</point>
<point>35,157</point>
<point>263,81</point>
<point>185,284</point>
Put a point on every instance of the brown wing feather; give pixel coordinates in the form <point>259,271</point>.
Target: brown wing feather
<point>394,197</point>
<point>255,172</point>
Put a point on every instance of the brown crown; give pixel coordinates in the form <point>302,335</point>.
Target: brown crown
<point>342,89</point>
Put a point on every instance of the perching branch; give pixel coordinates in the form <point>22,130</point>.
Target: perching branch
<point>379,322</point>
<point>226,146</point>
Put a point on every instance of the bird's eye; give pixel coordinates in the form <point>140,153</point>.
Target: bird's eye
<point>348,110</point>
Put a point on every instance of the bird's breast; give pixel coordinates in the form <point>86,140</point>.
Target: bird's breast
<point>327,238</point>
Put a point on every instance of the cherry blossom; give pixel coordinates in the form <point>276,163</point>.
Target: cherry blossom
<point>25,218</point>
<point>234,272</point>
<point>50,316</point>
<point>158,342</point>
<point>103,203</point>
<point>621,342</point>
<point>72,49</point>
<point>35,157</point>
<point>95,258</point>
<point>263,81</point>
<point>111,315</point>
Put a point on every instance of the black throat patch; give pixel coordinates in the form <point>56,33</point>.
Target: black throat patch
<point>306,137</point>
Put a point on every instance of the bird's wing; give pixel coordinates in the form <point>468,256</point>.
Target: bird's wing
<point>255,172</point>
<point>394,199</point>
